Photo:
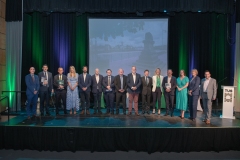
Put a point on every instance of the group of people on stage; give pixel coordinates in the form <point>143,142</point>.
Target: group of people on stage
<point>67,88</point>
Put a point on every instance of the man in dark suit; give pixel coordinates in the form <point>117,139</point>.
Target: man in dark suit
<point>169,85</point>
<point>32,83</point>
<point>84,83</point>
<point>120,82</point>
<point>97,90</point>
<point>134,83</point>
<point>109,91</point>
<point>46,88</point>
<point>146,92</point>
<point>60,86</point>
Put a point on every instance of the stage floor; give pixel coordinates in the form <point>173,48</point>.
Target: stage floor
<point>118,121</point>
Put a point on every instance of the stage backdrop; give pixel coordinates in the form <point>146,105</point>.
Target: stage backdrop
<point>195,40</point>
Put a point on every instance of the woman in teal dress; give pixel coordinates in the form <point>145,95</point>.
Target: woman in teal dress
<point>181,93</point>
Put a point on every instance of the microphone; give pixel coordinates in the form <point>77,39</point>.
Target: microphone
<point>221,81</point>
<point>217,87</point>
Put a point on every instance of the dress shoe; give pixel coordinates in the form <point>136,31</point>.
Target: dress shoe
<point>48,114</point>
<point>88,113</point>
<point>94,112</point>
<point>148,112</point>
<point>124,113</point>
<point>82,112</point>
<point>153,112</point>
<point>159,111</point>
<point>129,113</point>
<point>207,121</point>
<point>136,113</point>
<point>99,112</point>
<point>65,112</point>
<point>42,114</point>
<point>143,112</point>
<point>166,114</point>
<point>57,114</point>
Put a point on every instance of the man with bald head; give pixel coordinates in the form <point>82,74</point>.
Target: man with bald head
<point>120,83</point>
<point>97,91</point>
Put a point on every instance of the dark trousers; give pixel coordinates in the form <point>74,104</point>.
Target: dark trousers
<point>85,100</point>
<point>157,95</point>
<point>121,96</point>
<point>97,100</point>
<point>193,102</point>
<point>44,96</point>
<point>169,102</point>
<point>32,104</point>
<point>109,98</point>
<point>146,102</point>
<point>60,95</point>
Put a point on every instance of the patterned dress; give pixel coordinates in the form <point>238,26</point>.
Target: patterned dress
<point>72,96</point>
<point>182,96</point>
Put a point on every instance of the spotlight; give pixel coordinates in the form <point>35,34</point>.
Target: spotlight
<point>164,11</point>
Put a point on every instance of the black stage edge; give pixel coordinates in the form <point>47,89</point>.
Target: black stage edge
<point>125,139</point>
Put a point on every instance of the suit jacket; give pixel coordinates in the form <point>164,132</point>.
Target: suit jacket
<point>131,83</point>
<point>154,79</point>
<point>211,89</point>
<point>55,82</point>
<point>117,83</point>
<point>105,84</point>
<point>194,86</point>
<point>31,85</point>
<point>87,83</point>
<point>173,84</point>
<point>95,84</point>
<point>50,82</point>
<point>146,88</point>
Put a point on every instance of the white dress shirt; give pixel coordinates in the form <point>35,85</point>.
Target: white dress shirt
<point>84,76</point>
<point>169,79</point>
<point>134,78</point>
<point>206,82</point>
<point>97,78</point>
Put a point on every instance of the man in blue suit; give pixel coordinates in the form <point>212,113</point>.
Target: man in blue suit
<point>32,83</point>
<point>84,83</point>
<point>46,88</point>
<point>109,91</point>
<point>133,82</point>
<point>97,91</point>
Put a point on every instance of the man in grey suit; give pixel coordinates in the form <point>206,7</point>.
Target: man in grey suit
<point>97,91</point>
<point>46,88</point>
<point>208,92</point>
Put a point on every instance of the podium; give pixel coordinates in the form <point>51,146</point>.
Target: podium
<point>228,102</point>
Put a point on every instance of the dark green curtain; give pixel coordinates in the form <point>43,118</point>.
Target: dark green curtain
<point>196,40</point>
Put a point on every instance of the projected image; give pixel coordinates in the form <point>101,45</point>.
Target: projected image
<point>122,43</point>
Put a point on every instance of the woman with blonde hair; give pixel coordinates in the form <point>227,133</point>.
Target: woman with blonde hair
<point>72,91</point>
<point>157,90</point>
<point>193,94</point>
<point>181,93</point>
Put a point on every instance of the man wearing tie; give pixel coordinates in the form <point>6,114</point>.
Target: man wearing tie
<point>169,85</point>
<point>208,92</point>
<point>46,88</point>
<point>146,92</point>
<point>109,89</point>
<point>32,83</point>
<point>60,85</point>
<point>120,82</point>
<point>134,83</point>
<point>84,83</point>
<point>97,91</point>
